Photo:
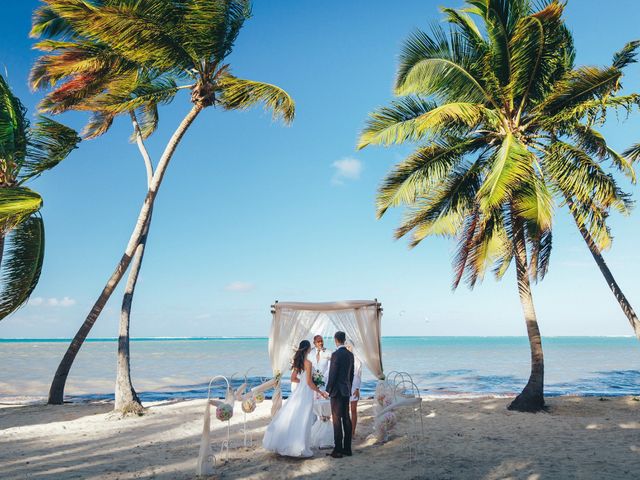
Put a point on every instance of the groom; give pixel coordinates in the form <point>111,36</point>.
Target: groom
<point>339,388</point>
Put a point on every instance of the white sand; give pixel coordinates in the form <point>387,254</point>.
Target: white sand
<point>579,438</point>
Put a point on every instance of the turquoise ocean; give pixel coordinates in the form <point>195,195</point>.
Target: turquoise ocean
<point>177,368</point>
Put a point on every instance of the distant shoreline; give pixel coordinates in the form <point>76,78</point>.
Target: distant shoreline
<point>160,339</point>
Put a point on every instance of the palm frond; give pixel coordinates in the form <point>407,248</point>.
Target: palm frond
<point>627,55</point>
<point>466,26</point>
<point>453,195</point>
<point>593,111</point>
<point>50,142</point>
<point>13,133</point>
<point>633,152</point>
<point>582,84</point>
<point>141,31</point>
<point>132,93</point>
<point>415,119</point>
<point>148,119</point>
<point>240,94</point>
<point>534,48</point>
<point>21,264</point>
<point>46,23</point>
<point>534,202</point>
<point>510,166</point>
<point>99,123</point>
<point>211,27</point>
<point>395,123</point>
<point>622,163</point>
<point>16,204</point>
<point>440,65</point>
<point>542,244</point>
<point>423,169</point>
<point>577,175</point>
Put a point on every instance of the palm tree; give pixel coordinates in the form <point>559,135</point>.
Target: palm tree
<point>182,44</point>
<point>507,126</point>
<point>25,152</point>
<point>123,81</point>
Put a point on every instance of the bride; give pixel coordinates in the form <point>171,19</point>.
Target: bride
<point>289,433</point>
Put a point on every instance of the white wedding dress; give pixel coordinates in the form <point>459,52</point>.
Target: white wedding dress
<point>289,433</point>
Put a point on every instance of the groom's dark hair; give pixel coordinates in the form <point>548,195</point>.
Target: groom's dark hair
<point>340,336</point>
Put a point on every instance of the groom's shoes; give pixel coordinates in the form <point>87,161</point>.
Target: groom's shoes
<point>335,454</point>
<point>347,454</point>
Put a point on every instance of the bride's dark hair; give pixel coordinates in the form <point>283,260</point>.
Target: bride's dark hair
<point>301,353</point>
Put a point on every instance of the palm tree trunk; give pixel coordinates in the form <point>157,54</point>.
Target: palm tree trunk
<point>531,399</point>
<point>56,392</point>
<point>126,398</point>
<point>626,307</point>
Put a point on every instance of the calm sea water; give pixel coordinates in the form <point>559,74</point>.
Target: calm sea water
<point>441,366</point>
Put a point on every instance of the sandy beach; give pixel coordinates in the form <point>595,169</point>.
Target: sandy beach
<point>577,438</point>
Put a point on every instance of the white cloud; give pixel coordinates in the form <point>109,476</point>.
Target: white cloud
<point>348,168</point>
<point>238,286</point>
<point>52,302</point>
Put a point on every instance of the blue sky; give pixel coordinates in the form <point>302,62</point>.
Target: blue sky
<point>252,211</point>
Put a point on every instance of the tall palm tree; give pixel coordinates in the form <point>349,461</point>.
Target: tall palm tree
<point>25,152</point>
<point>182,44</point>
<point>123,81</point>
<point>507,129</point>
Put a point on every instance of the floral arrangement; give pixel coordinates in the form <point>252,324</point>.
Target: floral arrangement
<point>259,397</point>
<point>248,405</point>
<point>318,378</point>
<point>224,412</point>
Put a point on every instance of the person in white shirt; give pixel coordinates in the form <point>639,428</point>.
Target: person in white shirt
<point>320,357</point>
<point>355,388</point>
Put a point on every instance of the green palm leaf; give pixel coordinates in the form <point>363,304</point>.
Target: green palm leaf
<point>50,142</point>
<point>211,27</point>
<point>414,119</point>
<point>13,133</point>
<point>425,168</point>
<point>534,202</point>
<point>510,165</point>
<point>142,32</point>
<point>583,84</point>
<point>16,204</point>
<point>627,55</point>
<point>395,123</point>
<point>21,264</point>
<point>240,94</point>
<point>577,175</point>
<point>440,65</point>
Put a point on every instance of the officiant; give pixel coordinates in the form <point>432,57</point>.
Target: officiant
<point>320,357</point>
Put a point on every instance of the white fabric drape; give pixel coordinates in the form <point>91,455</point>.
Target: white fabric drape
<point>362,326</point>
<point>296,321</point>
<point>206,461</point>
<point>288,329</point>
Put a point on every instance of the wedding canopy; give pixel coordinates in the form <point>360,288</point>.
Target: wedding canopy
<point>296,321</point>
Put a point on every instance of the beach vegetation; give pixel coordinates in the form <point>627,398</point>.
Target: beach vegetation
<point>112,57</point>
<point>507,132</point>
<point>26,151</point>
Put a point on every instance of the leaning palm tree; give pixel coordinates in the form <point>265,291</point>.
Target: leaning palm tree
<point>25,152</point>
<point>507,129</point>
<point>181,43</point>
<point>123,81</point>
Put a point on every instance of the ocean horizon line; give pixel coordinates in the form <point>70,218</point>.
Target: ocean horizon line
<point>248,337</point>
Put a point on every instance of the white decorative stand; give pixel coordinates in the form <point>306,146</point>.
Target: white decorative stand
<point>229,398</point>
<point>407,393</point>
